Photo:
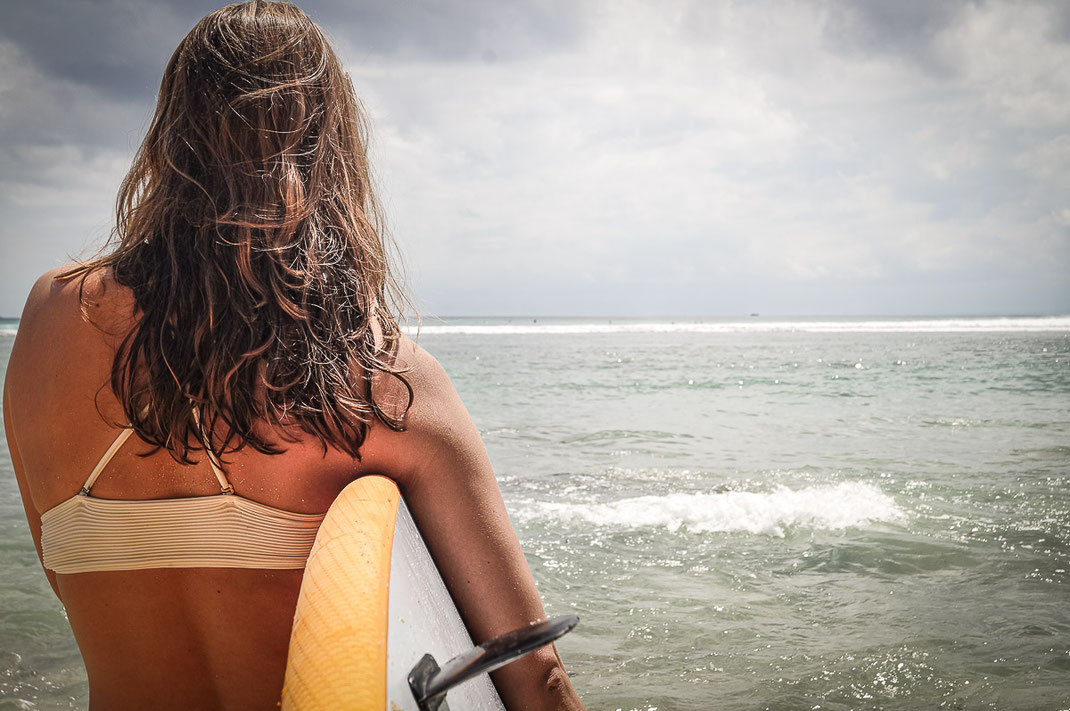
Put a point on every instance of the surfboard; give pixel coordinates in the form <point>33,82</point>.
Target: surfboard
<point>372,605</point>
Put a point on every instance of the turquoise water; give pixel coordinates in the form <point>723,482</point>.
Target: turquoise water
<point>836,514</point>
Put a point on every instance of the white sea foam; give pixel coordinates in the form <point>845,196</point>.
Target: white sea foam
<point>771,513</point>
<point>1038,324</point>
<point>942,325</point>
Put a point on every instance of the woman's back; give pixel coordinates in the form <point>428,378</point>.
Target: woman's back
<point>223,631</point>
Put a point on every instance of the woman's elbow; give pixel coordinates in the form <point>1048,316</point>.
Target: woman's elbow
<point>558,689</point>
<point>537,682</point>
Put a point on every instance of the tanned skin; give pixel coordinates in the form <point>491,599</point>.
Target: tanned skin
<point>216,638</point>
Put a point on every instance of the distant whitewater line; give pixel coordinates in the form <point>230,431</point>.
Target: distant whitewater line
<point>496,327</point>
<point>832,507</point>
<point>943,325</point>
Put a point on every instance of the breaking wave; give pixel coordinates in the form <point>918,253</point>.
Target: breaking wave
<point>771,513</point>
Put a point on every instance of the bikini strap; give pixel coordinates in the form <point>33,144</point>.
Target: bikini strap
<point>224,484</point>
<point>217,468</point>
<point>104,459</point>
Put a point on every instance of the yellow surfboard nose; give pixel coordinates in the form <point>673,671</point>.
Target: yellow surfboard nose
<point>338,646</point>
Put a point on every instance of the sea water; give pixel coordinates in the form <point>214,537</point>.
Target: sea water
<point>746,514</point>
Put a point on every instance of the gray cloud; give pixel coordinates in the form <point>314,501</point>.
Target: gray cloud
<point>119,47</point>
<point>469,30</point>
<point>115,47</point>
<point>905,28</point>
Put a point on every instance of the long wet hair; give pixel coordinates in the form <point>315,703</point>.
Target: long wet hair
<point>255,250</point>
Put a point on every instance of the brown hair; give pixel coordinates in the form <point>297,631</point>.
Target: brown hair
<point>255,250</point>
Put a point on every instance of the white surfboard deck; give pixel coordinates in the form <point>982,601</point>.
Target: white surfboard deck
<point>424,620</point>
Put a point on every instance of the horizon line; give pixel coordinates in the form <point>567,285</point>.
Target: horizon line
<point>747,316</point>
<point>691,317</point>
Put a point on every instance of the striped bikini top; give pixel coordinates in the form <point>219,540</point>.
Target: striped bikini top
<point>85,534</point>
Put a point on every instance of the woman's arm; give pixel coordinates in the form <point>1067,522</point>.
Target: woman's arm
<point>442,469</point>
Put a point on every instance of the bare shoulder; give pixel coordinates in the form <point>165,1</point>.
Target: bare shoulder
<point>436,423</point>
<point>60,298</point>
<point>45,319</point>
<point>420,388</point>
<point>68,331</point>
<point>436,408</point>
<point>48,295</point>
<point>424,372</point>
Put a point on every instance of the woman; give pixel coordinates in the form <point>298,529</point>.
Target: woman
<point>241,328</point>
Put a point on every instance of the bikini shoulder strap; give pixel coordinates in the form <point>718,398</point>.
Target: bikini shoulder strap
<point>105,458</point>
<point>217,469</point>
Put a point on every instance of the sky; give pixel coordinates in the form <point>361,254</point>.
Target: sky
<point>620,158</point>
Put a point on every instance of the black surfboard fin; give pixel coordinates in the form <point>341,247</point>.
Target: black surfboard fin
<point>429,682</point>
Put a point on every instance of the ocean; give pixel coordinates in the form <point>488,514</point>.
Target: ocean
<point>752,513</point>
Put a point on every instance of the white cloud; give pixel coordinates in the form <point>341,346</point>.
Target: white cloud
<point>681,143</point>
<point>1006,52</point>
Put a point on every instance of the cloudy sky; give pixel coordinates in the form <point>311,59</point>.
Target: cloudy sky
<point>608,157</point>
